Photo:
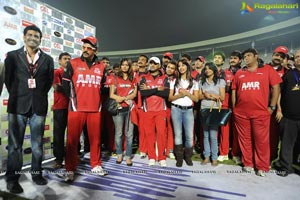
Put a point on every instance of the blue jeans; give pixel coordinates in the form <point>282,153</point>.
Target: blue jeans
<point>123,124</point>
<point>16,130</point>
<point>183,117</point>
<point>210,141</point>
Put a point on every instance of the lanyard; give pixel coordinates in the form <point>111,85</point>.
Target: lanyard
<point>31,66</point>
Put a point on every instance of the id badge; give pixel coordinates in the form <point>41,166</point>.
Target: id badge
<point>31,83</point>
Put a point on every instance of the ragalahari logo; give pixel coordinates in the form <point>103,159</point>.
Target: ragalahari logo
<point>246,8</point>
<point>270,8</point>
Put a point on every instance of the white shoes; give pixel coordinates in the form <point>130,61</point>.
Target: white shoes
<point>69,177</point>
<point>222,158</point>
<point>163,163</point>
<point>143,155</point>
<point>98,170</point>
<point>171,155</point>
<point>260,173</point>
<point>151,162</point>
<point>248,169</point>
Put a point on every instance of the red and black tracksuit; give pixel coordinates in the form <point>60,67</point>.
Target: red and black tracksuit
<point>154,105</point>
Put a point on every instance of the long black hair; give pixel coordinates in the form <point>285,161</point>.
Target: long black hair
<point>214,68</point>
<point>130,73</point>
<point>188,73</point>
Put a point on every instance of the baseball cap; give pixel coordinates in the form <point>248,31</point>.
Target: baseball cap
<point>92,40</point>
<point>155,60</point>
<point>201,58</point>
<point>169,55</point>
<point>281,49</point>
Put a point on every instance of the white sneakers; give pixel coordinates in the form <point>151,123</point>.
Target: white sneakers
<point>222,158</point>
<point>248,169</point>
<point>98,170</point>
<point>69,177</point>
<point>151,162</point>
<point>171,155</point>
<point>143,155</point>
<point>163,163</point>
<point>260,173</point>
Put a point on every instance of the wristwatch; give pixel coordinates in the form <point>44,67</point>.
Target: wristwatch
<point>273,107</point>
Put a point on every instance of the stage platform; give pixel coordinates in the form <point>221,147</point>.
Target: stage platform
<point>141,182</point>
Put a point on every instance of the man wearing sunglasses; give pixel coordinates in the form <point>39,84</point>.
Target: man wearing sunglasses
<point>82,81</point>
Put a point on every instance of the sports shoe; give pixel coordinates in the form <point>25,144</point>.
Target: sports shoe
<point>248,169</point>
<point>260,173</point>
<point>98,170</point>
<point>143,155</point>
<point>163,163</point>
<point>222,158</point>
<point>237,160</point>
<point>151,162</point>
<point>171,155</point>
<point>69,177</point>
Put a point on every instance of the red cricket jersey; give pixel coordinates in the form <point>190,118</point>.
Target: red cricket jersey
<point>86,94</point>
<point>154,103</point>
<point>124,88</point>
<point>61,101</point>
<point>252,90</point>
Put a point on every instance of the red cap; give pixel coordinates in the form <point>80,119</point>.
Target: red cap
<point>169,55</point>
<point>201,58</point>
<point>92,40</point>
<point>281,49</point>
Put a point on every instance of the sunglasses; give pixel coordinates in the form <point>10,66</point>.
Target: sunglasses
<point>88,48</point>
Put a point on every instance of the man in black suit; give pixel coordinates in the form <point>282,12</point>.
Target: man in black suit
<point>28,79</point>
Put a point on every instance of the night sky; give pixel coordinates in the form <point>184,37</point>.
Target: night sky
<point>140,24</point>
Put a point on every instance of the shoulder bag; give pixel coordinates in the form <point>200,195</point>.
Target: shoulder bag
<point>110,104</point>
<point>215,116</point>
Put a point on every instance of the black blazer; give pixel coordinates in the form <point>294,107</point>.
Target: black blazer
<point>21,97</point>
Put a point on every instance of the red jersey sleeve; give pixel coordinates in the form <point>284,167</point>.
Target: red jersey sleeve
<point>58,73</point>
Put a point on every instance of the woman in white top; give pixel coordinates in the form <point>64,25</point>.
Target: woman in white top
<point>183,93</point>
<point>212,90</point>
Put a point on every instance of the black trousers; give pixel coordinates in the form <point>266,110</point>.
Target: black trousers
<point>60,118</point>
<point>291,130</point>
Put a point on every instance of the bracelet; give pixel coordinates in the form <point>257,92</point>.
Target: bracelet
<point>272,108</point>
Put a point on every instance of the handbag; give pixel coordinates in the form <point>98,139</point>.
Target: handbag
<point>215,116</point>
<point>111,105</point>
